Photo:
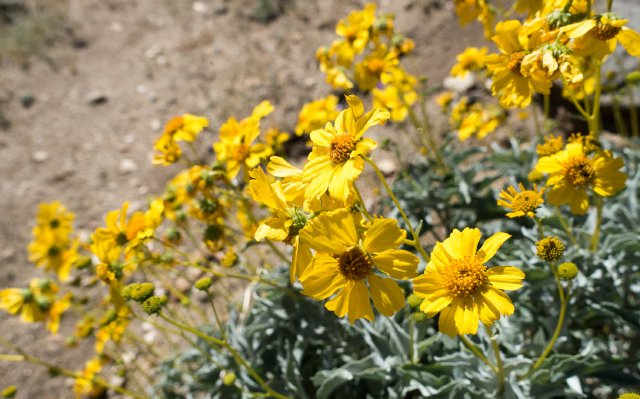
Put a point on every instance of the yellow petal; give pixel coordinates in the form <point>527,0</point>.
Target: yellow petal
<point>630,40</point>
<point>387,296</point>
<point>499,300</point>
<point>505,277</point>
<point>397,263</point>
<point>431,308</point>
<point>491,245</point>
<point>340,304</point>
<point>382,235</point>
<point>323,279</point>
<point>447,322</point>
<point>579,29</point>
<point>322,138</point>
<point>359,303</point>
<point>331,232</point>
<point>466,316</point>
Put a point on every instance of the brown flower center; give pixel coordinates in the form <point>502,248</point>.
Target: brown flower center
<point>375,66</point>
<point>605,31</point>
<point>463,277</point>
<point>340,148</point>
<point>241,152</point>
<point>354,264</point>
<point>515,61</point>
<point>580,171</point>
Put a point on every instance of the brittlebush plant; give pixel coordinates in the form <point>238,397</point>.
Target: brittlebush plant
<point>393,295</point>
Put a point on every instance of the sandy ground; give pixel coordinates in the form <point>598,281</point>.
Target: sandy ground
<point>128,67</point>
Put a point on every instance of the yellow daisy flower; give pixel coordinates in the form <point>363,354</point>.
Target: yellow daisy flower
<point>367,73</point>
<point>355,28</point>
<point>286,221</point>
<point>509,84</point>
<point>552,144</point>
<point>336,159</point>
<point>458,285</point>
<point>600,35</point>
<point>345,262</point>
<point>316,114</point>
<point>523,202</point>
<point>572,172</point>
<point>54,216</point>
<point>399,93</point>
<point>471,59</point>
<point>236,147</point>
<point>53,253</point>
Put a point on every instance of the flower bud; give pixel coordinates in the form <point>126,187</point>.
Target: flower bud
<point>138,292</point>
<point>550,249</point>
<point>568,270</point>
<point>203,284</point>
<point>154,305</point>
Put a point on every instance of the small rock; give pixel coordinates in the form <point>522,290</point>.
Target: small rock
<point>156,124</point>
<point>40,156</point>
<point>459,85</point>
<point>127,166</point>
<point>7,253</point>
<point>97,99</point>
<point>27,100</point>
<point>387,166</point>
<point>116,27</point>
<point>199,7</point>
<point>182,284</point>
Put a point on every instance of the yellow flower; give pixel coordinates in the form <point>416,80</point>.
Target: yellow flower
<point>600,35</point>
<point>275,139</point>
<point>185,127</point>
<point>480,121</point>
<point>113,328</point>
<point>509,83</point>
<point>52,252</point>
<point>180,128</point>
<point>368,72</point>
<point>458,285</point>
<point>236,147</point>
<point>398,94</point>
<point>572,172</point>
<point>552,144</point>
<point>316,114</point>
<point>336,159</point>
<point>355,28</point>
<point>36,303</point>
<point>123,233</point>
<point>55,313</point>
<point>522,203</point>
<point>286,221</point>
<point>54,216</point>
<point>471,59</point>
<point>444,99</point>
<point>86,386</point>
<point>550,249</point>
<point>345,263</point>
<point>470,10</point>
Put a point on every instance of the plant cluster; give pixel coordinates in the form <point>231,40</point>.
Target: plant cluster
<point>396,296</point>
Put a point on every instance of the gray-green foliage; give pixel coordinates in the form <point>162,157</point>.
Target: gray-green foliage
<point>305,351</point>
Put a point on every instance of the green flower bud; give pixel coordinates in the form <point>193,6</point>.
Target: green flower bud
<point>229,378</point>
<point>568,270</point>
<point>633,77</point>
<point>138,292</point>
<point>419,317</point>
<point>550,249</point>
<point>9,392</point>
<point>414,300</point>
<point>154,305</point>
<point>203,284</point>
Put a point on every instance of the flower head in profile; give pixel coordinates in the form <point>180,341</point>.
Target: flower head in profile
<point>470,60</point>
<point>347,261</point>
<point>551,145</point>
<point>523,202</point>
<point>573,173</point>
<point>457,284</point>
<point>180,128</point>
<point>599,36</point>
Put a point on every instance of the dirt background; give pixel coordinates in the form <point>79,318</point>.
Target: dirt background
<point>80,115</point>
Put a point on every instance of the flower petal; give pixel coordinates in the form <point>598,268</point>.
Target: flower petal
<point>491,245</point>
<point>383,234</point>
<point>331,232</point>
<point>359,303</point>
<point>499,300</point>
<point>387,296</point>
<point>323,278</point>
<point>505,277</point>
<point>397,263</point>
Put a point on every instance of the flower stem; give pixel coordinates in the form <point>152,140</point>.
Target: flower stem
<point>238,358</point>
<point>540,228</point>
<point>474,349</point>
<point>500,366</point>
<point>595,237</point>
<point>564,301</point>
<point>364,208</point>
<point>416,238</point>
<point>565,226</point>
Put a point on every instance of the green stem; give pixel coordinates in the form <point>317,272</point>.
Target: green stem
<point>594,118</point>
<point>364,208</point>
<point>66,372</point>
<point>567,6</point>
<point>416,239</point>
<point>595,237</point>
<point>238,358</point>
<point>474,349</point>
<point>565,226</point>
<point>540,228</point>
<point>564,301</point>
<point>500,366</point>
<point>412,332</point>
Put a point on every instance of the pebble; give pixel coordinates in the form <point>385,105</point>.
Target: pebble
<point>128,166</point>
<point>40,156</point>
<point>199,7</point>
<point>96,98</point>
